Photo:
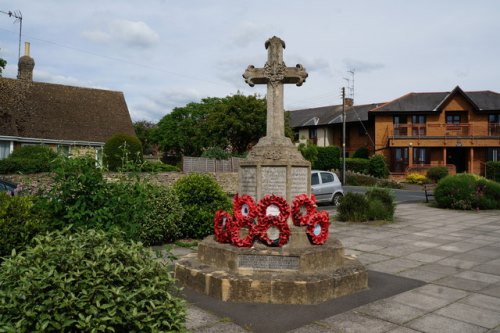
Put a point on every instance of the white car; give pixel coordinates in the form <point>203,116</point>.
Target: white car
<point>326,187</point>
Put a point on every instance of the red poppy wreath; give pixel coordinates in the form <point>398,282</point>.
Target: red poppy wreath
<point>268,222</point>
<point>317,228</point>
<point>235,232</point>
<point>244,206</point>
<point>268,205</point>
<point>222,225</point>
<point>300,203</point>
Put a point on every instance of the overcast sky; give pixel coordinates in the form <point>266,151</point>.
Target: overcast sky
<point>164,54</point>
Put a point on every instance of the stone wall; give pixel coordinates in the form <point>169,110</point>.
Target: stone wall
<point>227,180</point>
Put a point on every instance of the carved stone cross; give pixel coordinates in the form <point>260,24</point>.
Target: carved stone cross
<point>275,74</point>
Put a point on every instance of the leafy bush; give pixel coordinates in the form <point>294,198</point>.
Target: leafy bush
<point>122,149</point>
<point>18,223</point>
<point>359,165</point>
<point>28,159</point>
<point>362,152</point>
<point>378,166</point>
<point>356,179</point>
<point>216,152</point>
<point>386,198</point>
<point>309,152</point>
<point>465,191</point>
<point>435,174</point>
<point>149,166</point>
<point>353,207</point>
<point>328,158</point>
<point>200,196</point>
<point>416,178</point>
<point>161,215</point>
<point>493,171</point>
<point>87,281</point>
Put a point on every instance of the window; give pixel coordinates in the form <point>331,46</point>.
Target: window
<point>4,149</point>
<point>313,133</point>
<point>399,159</point>
<point>400,128</point>
<point>453,119</point>
<point>421,156</point>
<point>295,135</point>
<point>418,128</point>
<point>326,177</point>
<point>494,124</point>
<point>314,179</point>
<point>494,154</point>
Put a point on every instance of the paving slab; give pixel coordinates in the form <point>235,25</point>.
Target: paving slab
<point>460,283</point>
<point>483,301</point>
<point>478,276</point>
<point>446,293</point>
<point>352,322</point>
<point>433,323</point>
<point>471,314</point>
<point>420,301</point>
<point>493,290</point>
<point>391,311</point>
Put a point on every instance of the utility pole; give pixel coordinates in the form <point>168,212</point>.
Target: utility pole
<point>343,136</point>
<point>18,17</point>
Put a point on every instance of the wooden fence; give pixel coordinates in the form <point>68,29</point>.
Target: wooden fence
<point>203,164</point>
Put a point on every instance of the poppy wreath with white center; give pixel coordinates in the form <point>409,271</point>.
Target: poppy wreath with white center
<point>321,220</point>
<point>235,228</point>
<point>240,202</point>
<point>271,221</point>
<point>273,200</point>
<point>309,203</point>
<point>222,225</point>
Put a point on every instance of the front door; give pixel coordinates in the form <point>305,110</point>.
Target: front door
<point>457,157</point>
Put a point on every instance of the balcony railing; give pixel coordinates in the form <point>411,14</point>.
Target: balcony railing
<point>445,130</point>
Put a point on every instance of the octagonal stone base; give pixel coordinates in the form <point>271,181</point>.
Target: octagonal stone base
<point>304,275</point>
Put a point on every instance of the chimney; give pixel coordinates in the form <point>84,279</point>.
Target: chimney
<point>349,101</point>
<point>25,65</point>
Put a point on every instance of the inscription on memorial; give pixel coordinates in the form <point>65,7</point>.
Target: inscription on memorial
<point>274,181</point>
<point>249,181</point>
<point>299,181</point>
<point>268,262</point>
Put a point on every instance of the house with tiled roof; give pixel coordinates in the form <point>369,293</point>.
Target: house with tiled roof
<point>456,129</point>
<point>68,119</point>
<point>323,126</point>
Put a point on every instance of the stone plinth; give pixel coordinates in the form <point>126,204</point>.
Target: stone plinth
<point>307,275</point>
<point>275,166</point>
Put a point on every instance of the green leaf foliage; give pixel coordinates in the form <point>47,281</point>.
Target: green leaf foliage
<point>122,149</point>
<point>466,191</point>
<point>353,207</point>
<point>19,223</point>
<point>493,171</point>
<point>88,281</point>
<point>381,204</point>
<point>29,159</point>
<point>377,166</point>
<point>359,165</point>
<point>328,158</point>
<point>362,152</point>
<point>375,204</point>
<point>435,174</point>
<point>200,196</point>
<point>309,151</point>
<point>144,131</point>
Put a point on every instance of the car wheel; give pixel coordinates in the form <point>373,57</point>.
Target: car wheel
<point>336,199</point>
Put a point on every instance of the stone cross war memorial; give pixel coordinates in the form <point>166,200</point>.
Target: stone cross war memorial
<point>275,247</point>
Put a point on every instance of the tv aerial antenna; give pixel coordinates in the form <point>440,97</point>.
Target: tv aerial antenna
<point>18,16</point>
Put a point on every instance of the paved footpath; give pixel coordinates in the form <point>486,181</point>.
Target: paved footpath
<point>457,253</point>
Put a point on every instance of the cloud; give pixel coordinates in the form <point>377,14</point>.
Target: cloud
<point>41,75</point>
<point>131,33</point>
<point>249,32</point>
<point>361,66</point>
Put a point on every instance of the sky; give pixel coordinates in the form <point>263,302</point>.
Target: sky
<point>164,54</point>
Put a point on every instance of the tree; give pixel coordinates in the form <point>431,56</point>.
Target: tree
<point>3,63</point>
<point>144,130</point>
<point>234,123</point>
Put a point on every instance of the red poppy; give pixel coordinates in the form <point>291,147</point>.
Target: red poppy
<point>222,224</point>
<point>235,232</point>
<point>244,206</point>
<point>270,221</point>
<point>267,203</point>
<point>303,201</point>
<point>317,228</point>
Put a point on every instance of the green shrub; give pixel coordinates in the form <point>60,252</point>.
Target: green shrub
<point>359,165</point>
<point>162,214</point>
<point>122,151</point>
<point>378,166</point>
<point>149,166</point>
<point>88,281</point>
<point>353,207</point>
<point>309,151</point>
<point>362,152</point>
<point>200,197</point>
<point>28,159</point>
<point>356,179</point>
<point>465,191</point>
<point>493,171</point>
<point>435,174</point>
<point>416,178</point>
<point>18,223</point>
<point>383,196</point>
<point>216,152</point>
<point>328,158</point>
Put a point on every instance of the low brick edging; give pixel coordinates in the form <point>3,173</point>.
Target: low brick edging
<point>35,182</point>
